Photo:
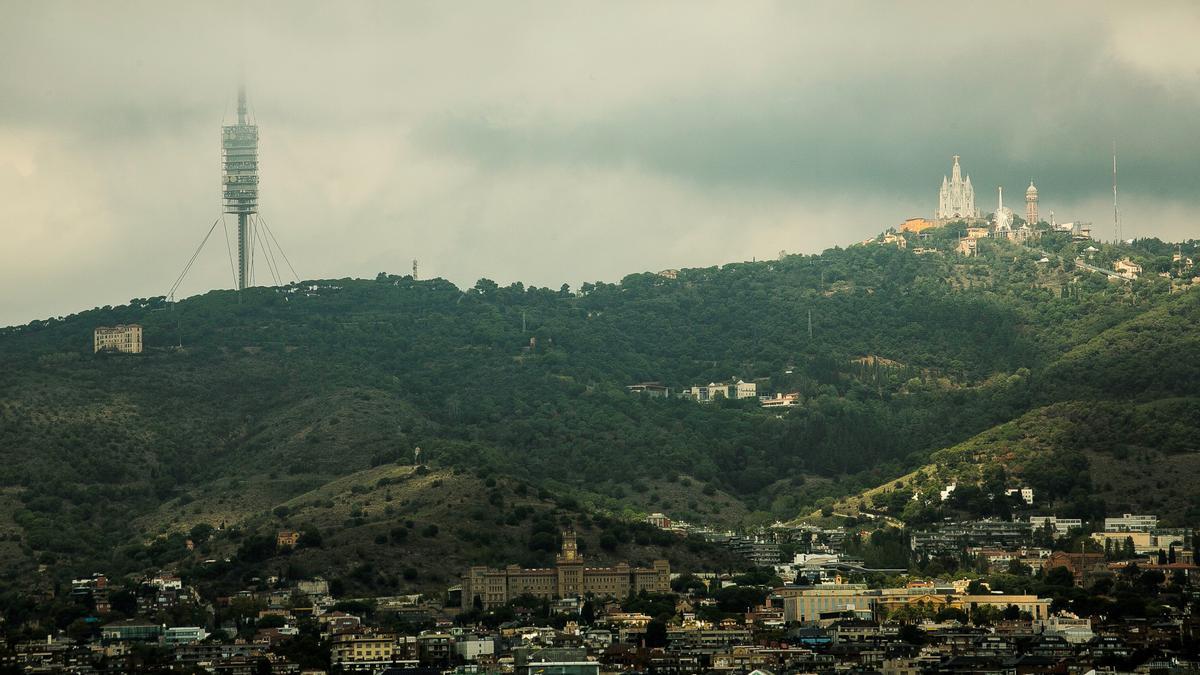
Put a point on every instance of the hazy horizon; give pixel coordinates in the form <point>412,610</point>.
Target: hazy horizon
<point>556,143</point>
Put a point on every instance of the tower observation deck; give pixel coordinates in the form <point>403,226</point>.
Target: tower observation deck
<point>239,152</point>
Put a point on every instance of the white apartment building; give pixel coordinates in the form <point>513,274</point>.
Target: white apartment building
<point>1060,525</point>
<point>1025,492</point>
<point>1071,628</point>
<point>1131,523</point>
<point>717,390</point>
<point>780,400</point>
<point>745,390</point>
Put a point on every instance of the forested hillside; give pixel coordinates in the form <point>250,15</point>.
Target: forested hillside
<point>244,402</point>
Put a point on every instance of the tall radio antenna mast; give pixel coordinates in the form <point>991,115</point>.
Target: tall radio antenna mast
<point>239,145</point>
<point>1116,216</point>
<point>239,192</point>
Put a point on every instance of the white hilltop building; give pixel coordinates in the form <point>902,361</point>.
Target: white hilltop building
<point>956,200</point>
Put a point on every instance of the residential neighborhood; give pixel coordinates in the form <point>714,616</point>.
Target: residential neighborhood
<point>986,596</point>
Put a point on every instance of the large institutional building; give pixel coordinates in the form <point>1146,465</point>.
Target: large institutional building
<point>808,604</point>
<point>569,578</point>
<point>956,200</point>
<point>126,339</point>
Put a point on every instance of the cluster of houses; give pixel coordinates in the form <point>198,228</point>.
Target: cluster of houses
<point>716,391</point>
<point>822,618</point>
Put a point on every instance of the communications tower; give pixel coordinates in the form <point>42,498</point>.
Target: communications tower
<point>239,194</point>
<point>239,152</point>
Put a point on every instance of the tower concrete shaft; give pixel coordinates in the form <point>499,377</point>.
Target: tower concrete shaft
<point>244,254</point>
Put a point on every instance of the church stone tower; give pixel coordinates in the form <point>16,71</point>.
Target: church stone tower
<point>956,200</point>
<point>569,568</point>
<point>1031,205</point>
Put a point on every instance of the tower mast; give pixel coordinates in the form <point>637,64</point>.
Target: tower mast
<point>1116,216</point>
<point>239,144</point>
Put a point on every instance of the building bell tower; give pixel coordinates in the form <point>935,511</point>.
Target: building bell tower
<point>569,567</point>
<point>1031,205</point>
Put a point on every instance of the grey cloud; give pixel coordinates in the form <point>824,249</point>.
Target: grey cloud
<point>891,132</point>
<point>563,141</point>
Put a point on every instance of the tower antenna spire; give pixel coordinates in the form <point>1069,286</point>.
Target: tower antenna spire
<point>1116,214</point>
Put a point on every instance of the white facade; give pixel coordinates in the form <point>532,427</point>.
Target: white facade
<point>717,390</point>
<point>1025,492</point>
<point>471,649</point>
<point>179,635</point>
<point>1070,628</point>
<point>957,196</point>
<point>1130,523</point>
<point>746,389</point>
<point>1060,525</point>
<point>780,400</point>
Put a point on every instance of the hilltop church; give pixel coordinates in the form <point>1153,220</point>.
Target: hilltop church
<point>956,200</point>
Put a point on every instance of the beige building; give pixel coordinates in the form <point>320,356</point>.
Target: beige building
<point>806,604</point>
<point>1127,268</point>
<point>120,338</point>
<point>569,578</point>
<point>1143,542</point>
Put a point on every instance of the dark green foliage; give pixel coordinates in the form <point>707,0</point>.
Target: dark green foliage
<point>256,548</point>
<point>287,388</point>
<point>739,599</point>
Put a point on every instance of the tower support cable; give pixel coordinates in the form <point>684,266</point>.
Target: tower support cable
<point>277,245</point>
<point>188,266</point>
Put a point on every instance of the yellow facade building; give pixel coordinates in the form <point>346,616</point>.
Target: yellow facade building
<point>916,225</point>
<point>362,650</point>
<point>121,338</point>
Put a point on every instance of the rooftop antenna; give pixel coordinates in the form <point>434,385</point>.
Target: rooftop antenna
<point>1116,215</point>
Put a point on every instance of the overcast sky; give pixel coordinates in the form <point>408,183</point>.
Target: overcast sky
<point>553,142</point>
